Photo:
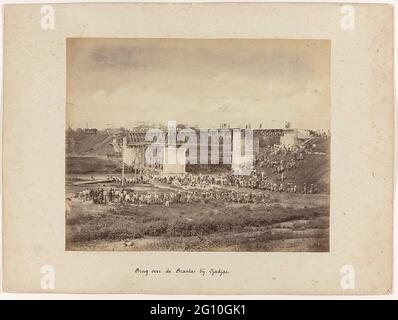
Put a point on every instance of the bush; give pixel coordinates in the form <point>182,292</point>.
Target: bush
<point>122,234</point>
<point>155,228</point>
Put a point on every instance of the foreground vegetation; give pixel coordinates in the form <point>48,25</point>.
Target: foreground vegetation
<point>210,226</point>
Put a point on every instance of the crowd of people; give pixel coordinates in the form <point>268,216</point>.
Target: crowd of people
<point>205,190</point>
<point>114,195</point>
<point>252,181</point>
<point>205,187</point>
<point>274,158</point>
<point>280,159</point>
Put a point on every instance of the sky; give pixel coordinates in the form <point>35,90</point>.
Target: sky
<point>121,82</point>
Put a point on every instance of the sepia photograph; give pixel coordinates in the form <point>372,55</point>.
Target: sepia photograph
<point>246,122</point>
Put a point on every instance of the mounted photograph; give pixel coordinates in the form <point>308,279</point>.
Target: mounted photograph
<point>198,149</point>
<point>197,145</point>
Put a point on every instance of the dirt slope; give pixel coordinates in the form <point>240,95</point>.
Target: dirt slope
<point>81,143</point>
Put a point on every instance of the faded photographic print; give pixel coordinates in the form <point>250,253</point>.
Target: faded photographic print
<point>197,145</point>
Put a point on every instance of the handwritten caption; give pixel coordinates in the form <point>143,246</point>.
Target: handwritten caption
<point>212,272</point>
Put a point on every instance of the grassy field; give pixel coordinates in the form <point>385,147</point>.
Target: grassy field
<point>288,222</point>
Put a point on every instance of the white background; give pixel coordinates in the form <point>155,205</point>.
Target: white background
<point>394,295</point>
